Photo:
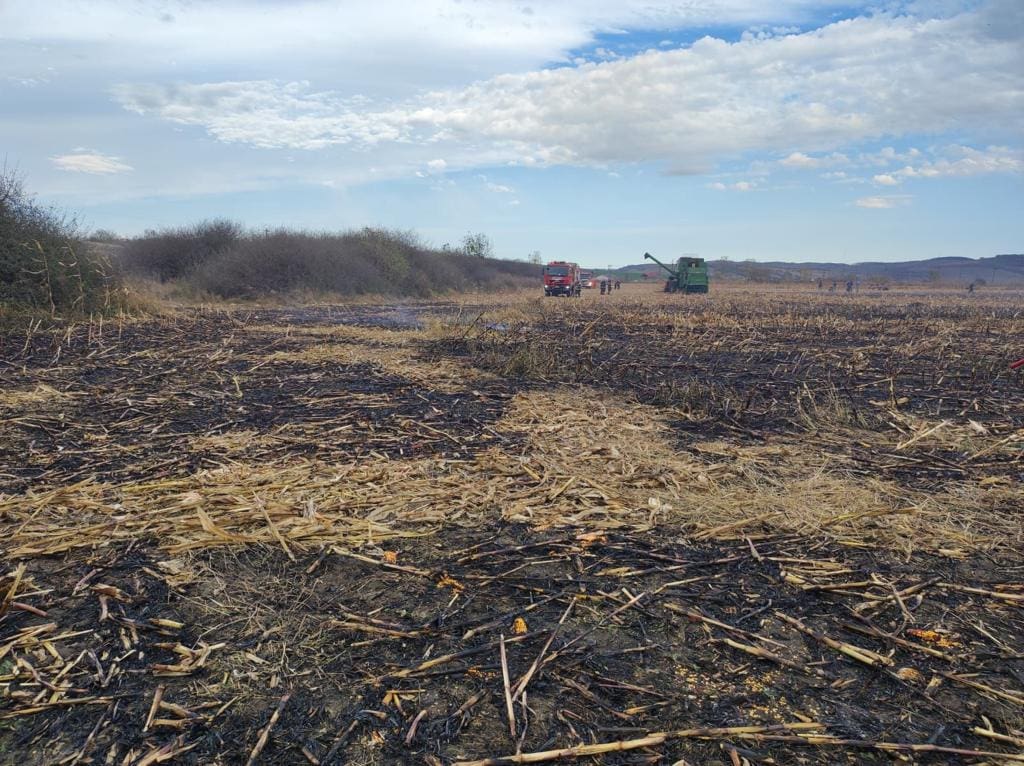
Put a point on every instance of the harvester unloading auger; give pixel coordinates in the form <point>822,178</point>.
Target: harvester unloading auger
<point>689,276</point>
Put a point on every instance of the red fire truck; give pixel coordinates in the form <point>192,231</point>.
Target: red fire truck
<point>562,278</point>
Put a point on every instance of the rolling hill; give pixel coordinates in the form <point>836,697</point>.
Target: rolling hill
<point>1005,269</point>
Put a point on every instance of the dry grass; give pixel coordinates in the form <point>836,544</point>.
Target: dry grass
<point>621,466</point>
<point>391,349</point>
<point>573,456</point>
<point>40,396</point>
<point>588,459</point>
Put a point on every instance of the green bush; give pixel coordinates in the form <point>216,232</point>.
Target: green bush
<point>44,263</point>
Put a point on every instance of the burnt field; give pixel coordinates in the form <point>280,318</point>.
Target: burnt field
<point>743,528</point>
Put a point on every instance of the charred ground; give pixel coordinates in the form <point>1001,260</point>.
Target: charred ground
<point>708,514</point>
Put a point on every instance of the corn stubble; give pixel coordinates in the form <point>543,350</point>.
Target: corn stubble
<point>516,530</point>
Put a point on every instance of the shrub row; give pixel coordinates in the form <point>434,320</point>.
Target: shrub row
<point>219,258</point>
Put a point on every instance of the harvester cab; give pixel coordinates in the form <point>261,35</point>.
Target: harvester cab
<point>689,276</point>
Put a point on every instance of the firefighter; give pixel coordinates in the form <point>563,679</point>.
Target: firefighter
<point>604,282</point>
<point>618,284</point>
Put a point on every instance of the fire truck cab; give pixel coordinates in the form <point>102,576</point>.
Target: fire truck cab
<point>562,278</point>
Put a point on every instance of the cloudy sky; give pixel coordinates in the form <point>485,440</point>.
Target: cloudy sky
<point>586,129</point>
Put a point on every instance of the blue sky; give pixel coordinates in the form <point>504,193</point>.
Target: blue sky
<point>792,130</point>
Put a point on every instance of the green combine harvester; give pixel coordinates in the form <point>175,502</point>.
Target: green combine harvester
<point>689,276</point>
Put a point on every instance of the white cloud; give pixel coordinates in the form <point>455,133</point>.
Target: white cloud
<point>90,162</point>
<point>968,161</point>
<point>231,25</point>
<point>948,161</point>
<point>499,188</point>
<point>741,186</point>
<point>27,82</point>
<point>371,46</point>
<point>953,161</point>
<point>888,156</point>
<point>800,160</point>
<point>883,203</point>
<point>265,114</point>
<point>688,108</point>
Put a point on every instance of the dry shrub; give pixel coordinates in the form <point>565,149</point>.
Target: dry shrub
<point>45,266</point>
<point>219,259</point>
<point>176,253</point>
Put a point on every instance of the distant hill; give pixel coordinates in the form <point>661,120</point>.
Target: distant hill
<point>998,270</point>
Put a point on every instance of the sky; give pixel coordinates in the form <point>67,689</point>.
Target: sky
<point>587,130</point>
